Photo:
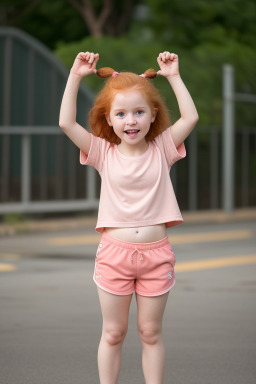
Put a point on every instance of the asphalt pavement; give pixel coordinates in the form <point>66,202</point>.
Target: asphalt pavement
<point>50,321</point>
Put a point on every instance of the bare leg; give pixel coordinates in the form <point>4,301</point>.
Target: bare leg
<point>150,315</point>
<point>115,312</point>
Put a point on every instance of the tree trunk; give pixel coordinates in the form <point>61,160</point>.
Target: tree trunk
<point>94,23</point>
<point>111,20</point>
<point>118,21</point>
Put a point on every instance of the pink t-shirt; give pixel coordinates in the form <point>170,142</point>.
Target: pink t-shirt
<point>136,191</point>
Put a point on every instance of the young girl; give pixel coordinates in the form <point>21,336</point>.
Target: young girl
<point>132,146</point>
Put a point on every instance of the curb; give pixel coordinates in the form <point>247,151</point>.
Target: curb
<point>218,216</point>
<point>89,222</point>
<point>48,225</point>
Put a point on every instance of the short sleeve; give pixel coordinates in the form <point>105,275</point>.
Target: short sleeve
<point>166,144</point>
<point>96,154</point>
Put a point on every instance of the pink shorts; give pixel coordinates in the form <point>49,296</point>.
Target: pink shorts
<point>122,267</point>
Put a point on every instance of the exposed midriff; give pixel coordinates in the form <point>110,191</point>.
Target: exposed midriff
<point>146,234</point>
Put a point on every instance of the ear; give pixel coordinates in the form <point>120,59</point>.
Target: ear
<point>154,115</point>
<point>108,120</point>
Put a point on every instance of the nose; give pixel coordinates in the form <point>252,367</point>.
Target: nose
<point>131,120</point>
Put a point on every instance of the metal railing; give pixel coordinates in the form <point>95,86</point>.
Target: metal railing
<point>230,97</point>
<point>196,180</point>
<point>32,82</point>
<point>27,202</point>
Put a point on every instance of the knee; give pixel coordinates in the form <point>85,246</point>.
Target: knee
<point>114,336</point>
<point>150,333</point>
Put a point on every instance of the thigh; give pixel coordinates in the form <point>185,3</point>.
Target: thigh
<point>114,308</point>
<point>156,271</point>
<point>151,310</point>
<point>114,270</point>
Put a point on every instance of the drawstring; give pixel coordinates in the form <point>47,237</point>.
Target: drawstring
<point>141,256</point>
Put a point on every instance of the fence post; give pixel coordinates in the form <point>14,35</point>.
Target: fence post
<point>193,177</point>
<point>26,169</point>
<point>228,147</point>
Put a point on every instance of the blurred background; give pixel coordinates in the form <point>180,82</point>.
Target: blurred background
<point>40,172</point>
<point>50,321</point>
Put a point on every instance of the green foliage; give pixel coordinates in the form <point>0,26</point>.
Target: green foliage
<point>197,22</point>
<point>122,54</point>
<point>179,22</point>
<point>48,21</point>
<point>200,68</point>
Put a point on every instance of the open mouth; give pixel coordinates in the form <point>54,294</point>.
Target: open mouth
<point>132,132</point>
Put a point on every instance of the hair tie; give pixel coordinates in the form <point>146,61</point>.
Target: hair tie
<point>114,74</point>
<point>149,73</point>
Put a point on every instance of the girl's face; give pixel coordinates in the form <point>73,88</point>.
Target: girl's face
<point>130,116</point>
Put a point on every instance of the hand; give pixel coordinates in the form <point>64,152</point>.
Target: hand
<point>169,64</point>
<point>85,64</point>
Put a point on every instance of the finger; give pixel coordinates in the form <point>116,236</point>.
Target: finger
<point>175,57</point>
<point>160,57</point>
<point>96,58</point>
<point>168,56</point>
<point>86,56</point>
<point>90,61</point>
<point>80,56</point>
<point>159,60</point>
<point>165,56</point>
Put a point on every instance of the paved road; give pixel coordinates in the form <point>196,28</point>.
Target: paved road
<point>50,321</point>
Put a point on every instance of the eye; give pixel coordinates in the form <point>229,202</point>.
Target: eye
<point>120,114</point>
<point>140,112</point>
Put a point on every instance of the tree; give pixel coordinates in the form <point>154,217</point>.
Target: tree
<point>190,23</point>
<point>109,17</point>
<point>12,12</point>
<point>48,21</point>
<point>68,20</point>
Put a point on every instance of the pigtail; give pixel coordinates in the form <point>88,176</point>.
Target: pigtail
<point>149,73</point>
<point>105,72</point>
<point>110,72</point>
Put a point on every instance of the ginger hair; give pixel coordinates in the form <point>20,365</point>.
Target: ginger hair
<point>124,81</point>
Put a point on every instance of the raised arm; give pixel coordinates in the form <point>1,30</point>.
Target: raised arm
<point>84,65</point>
<point>169,68</point>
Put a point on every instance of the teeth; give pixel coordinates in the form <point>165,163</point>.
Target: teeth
<point>132,131</point>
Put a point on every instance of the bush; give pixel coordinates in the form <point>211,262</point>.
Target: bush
<point>200,68</point>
